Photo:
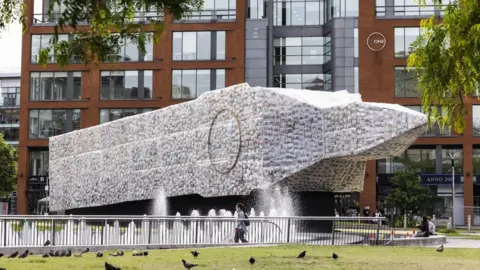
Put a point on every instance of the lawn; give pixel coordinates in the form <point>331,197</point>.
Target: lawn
<point>282,257</point>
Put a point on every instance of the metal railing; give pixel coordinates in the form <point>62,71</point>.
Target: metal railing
<point>211,15</point>
<point>409,10</point>
<point>53,18</point>
<point>22,231</point>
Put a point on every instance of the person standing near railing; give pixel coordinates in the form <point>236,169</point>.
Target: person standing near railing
<point>241,228</point>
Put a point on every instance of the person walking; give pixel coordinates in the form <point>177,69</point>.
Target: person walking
<point>241,228</point>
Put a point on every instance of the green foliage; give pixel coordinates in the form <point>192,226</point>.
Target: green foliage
<point>8,167</point>
<point>398,222</point>
<point>407,193</point>
<point>446,60</point>
<point>99,28</point>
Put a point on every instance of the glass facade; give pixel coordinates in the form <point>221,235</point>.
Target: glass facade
<point>476,120</point>
<point>404,36</point>
<point>47,86</point>
<point>435,129</point>
<point>46,123</point>
<point>303,81</point>
<point>107,115</point>
<point>40,42</point>
<point>10,124</point>
<point>204,45</point>
<point>402,8</point>
<point>421,159</point>
<point>299,50</point>
<point>129,52</point>
<point>256,9</point>
<point>129,85</point>
<point>215,10</point>
<point>405,83</point>
<point>191,83</point>
<point>37,178</point>
<point>10,96</point>
<point>299,12</point>
<point>341,8</point>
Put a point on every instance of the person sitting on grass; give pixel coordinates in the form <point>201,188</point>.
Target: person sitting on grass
<point>431,226</point>
<point>424,228</point>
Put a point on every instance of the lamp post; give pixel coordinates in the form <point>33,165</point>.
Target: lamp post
<point>452,156</point>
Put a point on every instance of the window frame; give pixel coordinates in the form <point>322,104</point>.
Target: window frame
<point>74,126</point>
<point>213,84</point>
<point>112,91</point>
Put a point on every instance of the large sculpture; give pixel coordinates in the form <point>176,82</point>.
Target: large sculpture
<point>229,142</point>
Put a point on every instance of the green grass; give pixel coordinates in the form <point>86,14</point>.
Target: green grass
<point>282,257</point>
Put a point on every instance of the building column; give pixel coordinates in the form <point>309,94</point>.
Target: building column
<point>22,181</point>
<point>369,193</point>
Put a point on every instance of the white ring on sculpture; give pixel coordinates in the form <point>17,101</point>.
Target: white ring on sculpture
<point>376,33</point>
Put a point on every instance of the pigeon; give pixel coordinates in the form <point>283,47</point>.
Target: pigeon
<point>1,268</point>
<point>47,243</point>
<point>111,267</point>
<point>78,255</point>
<point>69,253</point>
<point>24,255</point>
<point>302,254</point>
<point>188,265</point>
<point>195,253</point>
<point>13,255</point>
<point>57,253</point>
<point>145,253</point>
<point>1,255</point>
<point>137,253</point>
<point>252,260</point>
<point>51,253</point>
<point>440,248</point>
<point>117,254</point>
<point>30,253</point>
<point>63,253</point>
<point>45,255</point>
<point>334,256</point>
<point>99,254</point>
<point>85,250</point>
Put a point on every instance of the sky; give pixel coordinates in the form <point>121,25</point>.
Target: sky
<point>11,48</point>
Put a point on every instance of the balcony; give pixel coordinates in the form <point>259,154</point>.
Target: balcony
<point>43,19</point>
<point>210,16</point>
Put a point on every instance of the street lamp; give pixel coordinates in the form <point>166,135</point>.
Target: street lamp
<point>452,157</point>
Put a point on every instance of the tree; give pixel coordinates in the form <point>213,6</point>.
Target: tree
<point>407,193</point>
<point>8,167</point>
<point>446,61</point>
<point>109,24</point>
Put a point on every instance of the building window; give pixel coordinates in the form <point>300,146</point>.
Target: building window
<point>476,120</point>
<point>46,123</point>
<point>449,151</point>
<point>130,84</point>
<point>357,80</point>
<point>191,83</point>
<point>341,8</point>
<point>205,45</point>
<point>256,9</point>
<point>46,86</point>
<point>303,81</point>
<point>422,160</point>
<point>38,163</point>
<point>214,10</point>
<point>128,51</point>
<point>107,115</point>
<point>9,96</point>
<point>40,42</point>
<point>405,83</point>
<point>299,50</point>
<point>298,12</point>
<point>404,37</point>
<point>409,8</point>
<point>435,129</point>
<point>10,124</point>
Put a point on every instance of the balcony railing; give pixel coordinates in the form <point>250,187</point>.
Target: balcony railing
<point>409,10</point>
<point>52,19</point>
<point>211,15</point>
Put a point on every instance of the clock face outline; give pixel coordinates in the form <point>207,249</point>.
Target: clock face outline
<point>232,117</point>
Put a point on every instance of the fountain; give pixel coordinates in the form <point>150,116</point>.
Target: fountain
<point>160,204</point>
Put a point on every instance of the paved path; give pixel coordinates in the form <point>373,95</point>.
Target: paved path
<point>454,242</point>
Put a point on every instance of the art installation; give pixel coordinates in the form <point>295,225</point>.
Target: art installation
<point>227,142</point>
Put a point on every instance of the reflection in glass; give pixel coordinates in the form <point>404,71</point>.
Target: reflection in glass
<point>190,84</point>
<point>405,83</point>
<point>190,46</point>
<point>404,36</point>
<point>107,115</point>
<point>130,84</point>
<point>299,51</point>
<point>317,82</point>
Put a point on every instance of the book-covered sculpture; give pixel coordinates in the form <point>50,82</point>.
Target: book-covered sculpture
<point>229,142</point>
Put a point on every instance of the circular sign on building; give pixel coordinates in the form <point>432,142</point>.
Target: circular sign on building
<point>376,41</point>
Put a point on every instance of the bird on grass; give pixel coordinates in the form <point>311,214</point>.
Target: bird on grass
<point>57,253</point>
<point>334,256</point>
<point>117,254</point>
<point>111,267</point>
<point>45,255</point>
<point>302,254</point>
<point>24,255</point>
<point>85,250</point>
<point>69,253</point>
<point>63,253</point>
<point>51,253</point>
<point>1,255</point>
<point>13,255</point>
<point>78,255</point>
<point>1,268</point>
<point>47,243</point>
<point>99,254</point>
<point>145,253</point>
<point>251,260</point>
<point>195,253</point>
<point>188,265</point>
<point>440,248</point>
<point>137,253</point>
